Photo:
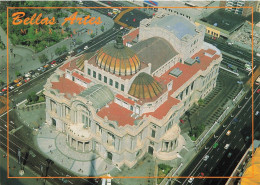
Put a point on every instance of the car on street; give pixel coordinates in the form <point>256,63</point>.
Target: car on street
<point>70,52</point>
<point>235,120</point>
<point>134,19</point>
<point>11,87</point>
<point>191,180</point>
<point>43,70</point>
<point>240,52</point>
<point>53,62</point>
<point>257,113</point>
<point>47,65</point>
<point>4,89</point>
<point>79,50</point>
<point>205,158</point>
<point>215,145</point>
<point>228,132</point>
<point>247,138</point>
<point>31,72</point>
<point>27,75</point>
<point>86,47</point>
<point>131,13</point>
<point>258,91</point>
<point>53,65</point>
<point>226,146</point>
<point>27,80</point>
<point>40,68</point>
<point>19,84</point>
<point>18,79</point>
<point>229,155</point>
<point>240,82</point>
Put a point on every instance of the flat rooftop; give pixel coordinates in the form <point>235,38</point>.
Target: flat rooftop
<point>225,20</point>
<point>178,25</point>
<point>155,50</point>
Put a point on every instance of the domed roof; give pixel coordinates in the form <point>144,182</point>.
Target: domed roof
<point>145,87</point>
<point>80,62</point>
<point>118,59</point>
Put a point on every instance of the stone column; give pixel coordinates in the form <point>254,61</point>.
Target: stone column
<point>83,147</point>
<point>67,139</point>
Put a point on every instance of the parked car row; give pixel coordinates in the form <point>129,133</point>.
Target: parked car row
<point>31,74</point>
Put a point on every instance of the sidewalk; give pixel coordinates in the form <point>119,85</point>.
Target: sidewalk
<point>53,144</point>
<point>14,172</point>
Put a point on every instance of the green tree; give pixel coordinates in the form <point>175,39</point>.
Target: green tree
<point>29,98</point>
<point>1,83</point>
<point>34,97</point>
<point>17,73</point>
<point>92,35</point>
<point>43,58</point>
<point>78,41</point>
<point>201,102</point>
<point>102,28</point>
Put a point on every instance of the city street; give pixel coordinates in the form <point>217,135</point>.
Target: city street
<point>217,157</point>
<point>218,163</point>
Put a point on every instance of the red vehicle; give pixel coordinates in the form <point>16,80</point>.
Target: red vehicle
<point>53,62</point>
<point>258,91</point>
<point>4,89</point>
<point>134,19</point>
<point>109,2</point>
<point>27,80</point>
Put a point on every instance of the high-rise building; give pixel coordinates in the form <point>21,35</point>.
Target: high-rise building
<point>236,6</point>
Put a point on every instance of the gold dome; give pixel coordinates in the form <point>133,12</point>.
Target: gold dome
<point>118,59</point>
<point>145,87</point>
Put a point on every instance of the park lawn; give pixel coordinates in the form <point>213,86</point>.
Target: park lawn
<point>163,170</point>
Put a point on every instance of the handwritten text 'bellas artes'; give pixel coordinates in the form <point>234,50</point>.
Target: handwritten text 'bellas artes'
<point>46,21</point>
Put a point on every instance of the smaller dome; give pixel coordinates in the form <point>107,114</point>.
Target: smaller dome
<point>145,87</point>
<point>80,62</point>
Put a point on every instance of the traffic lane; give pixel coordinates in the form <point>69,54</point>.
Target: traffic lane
<point>134,17</point>
<point>225,165</point>
<point>231,49</point>
<point>212,141</point>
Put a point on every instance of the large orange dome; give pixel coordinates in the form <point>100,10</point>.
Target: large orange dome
<point>118,59</point>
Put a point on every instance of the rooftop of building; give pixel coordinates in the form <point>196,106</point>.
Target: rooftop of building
<point>164,108</point>
<point>256,17</point>
<point>155,50</point>
<point>178,25</point>
<point>99,95</point>
<point>224,20</point>
<point>193,12</point>
<point>115,112</point>
<point>68,87</point>
<point>188,70</point>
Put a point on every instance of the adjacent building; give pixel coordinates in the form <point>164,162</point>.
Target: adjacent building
<point>236,6</point>
<point>122,102</point>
